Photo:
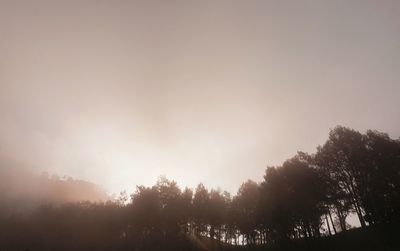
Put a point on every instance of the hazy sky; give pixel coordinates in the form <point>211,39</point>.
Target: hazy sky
<point>120,92</point>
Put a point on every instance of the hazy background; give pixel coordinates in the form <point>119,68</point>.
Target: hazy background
<point>120,92</point>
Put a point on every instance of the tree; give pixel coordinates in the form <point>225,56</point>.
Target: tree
<point>218,204</point>
<point>342,158</point>
<point>200,208</point>
<point>380,186</point>
<point>292,199</point>
<point>245,204</point>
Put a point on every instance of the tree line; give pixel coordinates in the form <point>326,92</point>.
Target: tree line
<point>308,196</point>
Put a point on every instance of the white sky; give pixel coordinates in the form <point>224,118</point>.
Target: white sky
<point>120,92</point>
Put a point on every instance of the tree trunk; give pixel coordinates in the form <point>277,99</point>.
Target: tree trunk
<point>327,224</point>
<point>333,225</point>
<point>356,205</point>
<point>342,220</point>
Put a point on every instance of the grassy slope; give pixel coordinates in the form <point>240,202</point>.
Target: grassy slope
<point>382,238</point>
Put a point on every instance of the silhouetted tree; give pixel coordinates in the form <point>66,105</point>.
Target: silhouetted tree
<point>292,200</point>
<point>380,183</point>
<point>245,204</point>
<point>200,209</point>
<point>342,158</point>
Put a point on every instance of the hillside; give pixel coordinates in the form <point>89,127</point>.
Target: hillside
<point>377,238</point>
<point>23,191</point>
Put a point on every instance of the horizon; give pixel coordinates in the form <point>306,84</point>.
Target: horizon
<point>26,174</point>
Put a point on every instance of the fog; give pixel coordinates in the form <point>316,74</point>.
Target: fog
<point>22,190</point>
<point>214,91</point>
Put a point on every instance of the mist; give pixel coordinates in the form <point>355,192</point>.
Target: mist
<point>119,94</point>
<point>199,125</point>
<point>23,190</point>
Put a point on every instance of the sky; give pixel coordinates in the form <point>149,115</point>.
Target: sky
<point>121,92</point>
